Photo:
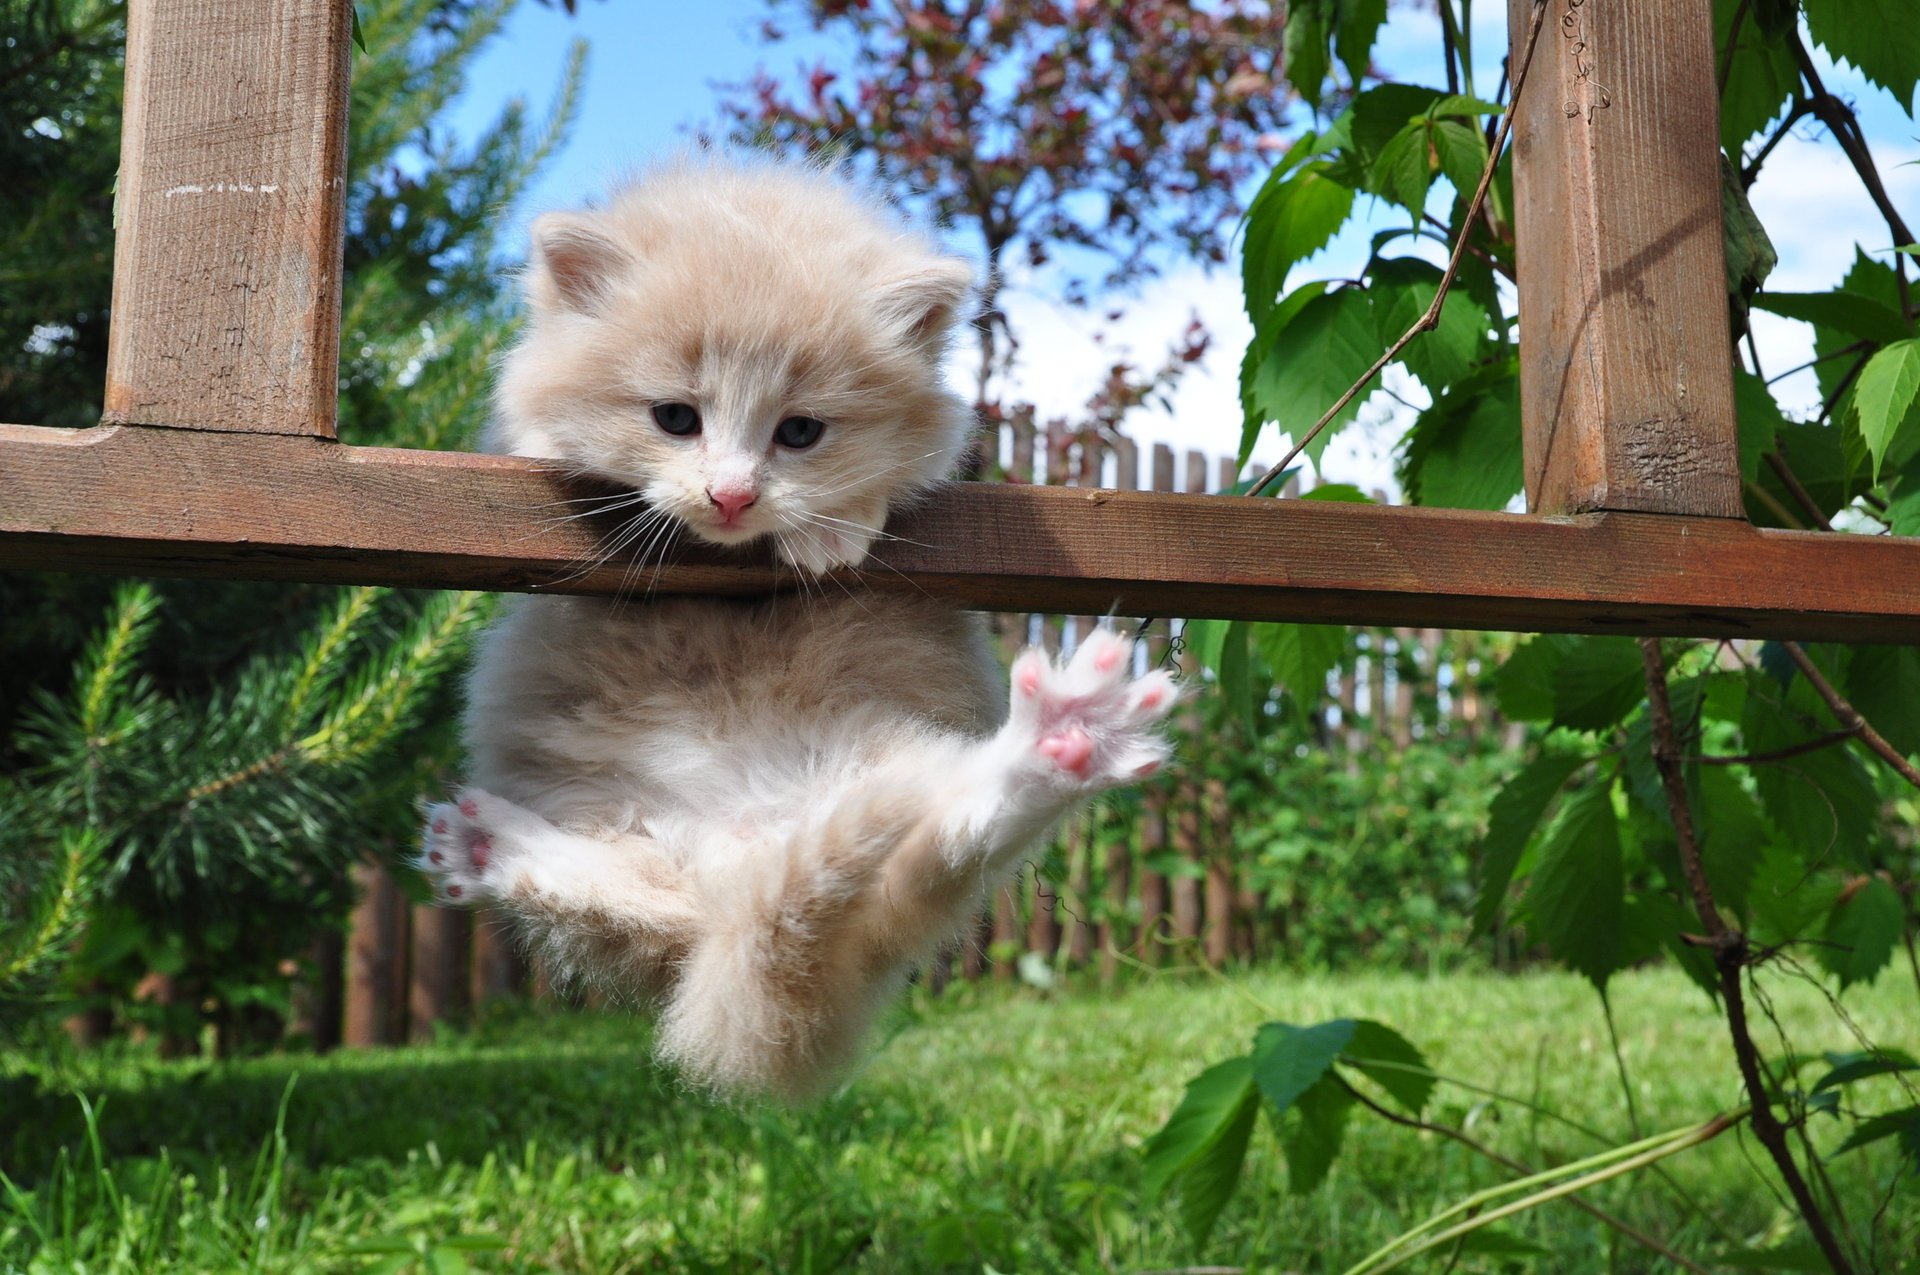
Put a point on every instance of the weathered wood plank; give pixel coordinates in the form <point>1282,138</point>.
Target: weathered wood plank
<point>226,272</point>
<point>162,502</point>
<point>1626,368</point>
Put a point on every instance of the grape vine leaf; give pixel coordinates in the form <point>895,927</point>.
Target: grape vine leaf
<point>1598,683</point>
<point>1464,451</point>
<point>1862,931</point>
<point>1884,683</point>
<point>1357,26</point>
<point>1524,683</point>
<point>1291,218</point>
<point>1576,899</point>
<point>1309,364</point>
<point>1390,1060</point>
<point>1402,288</point>
<point>1886,398</point>
<point>1200,1149</point>
<point>1879,37</point>
<point>1758,419</point>
<point>1310,1135</point>
<point>1511,820</point>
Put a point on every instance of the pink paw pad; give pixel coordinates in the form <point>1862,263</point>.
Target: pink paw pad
<point>1152,697</point>
<point>1029,680</point>
<point>1071,751</point>
<point>481,851</point>
<point>469,808</point>
<point>454,892</point>
<point>1108,660</point>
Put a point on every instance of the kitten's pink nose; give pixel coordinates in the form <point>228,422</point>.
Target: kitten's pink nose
<point>731,500</point>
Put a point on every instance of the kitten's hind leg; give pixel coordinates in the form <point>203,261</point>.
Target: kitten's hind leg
<point>613,907</point>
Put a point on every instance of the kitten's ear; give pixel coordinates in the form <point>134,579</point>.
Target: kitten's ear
<point>572,264</point>
<point>925,303</point>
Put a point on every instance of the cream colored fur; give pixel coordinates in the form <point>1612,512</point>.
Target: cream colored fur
<point>758,815</point>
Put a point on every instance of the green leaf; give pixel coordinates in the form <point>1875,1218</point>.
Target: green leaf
<point>1310,1135</point>
<point>1750,254</point>
<point>1576,898</point>
<point>1903,506</point>
<point>1204,1142</point>
<point>1600,680</point>
<point>1459,104</point>
<point>1289,220</point>
<point>1904,1123</point>
<point>1301,655</point>
<point>1787,896</point>
<point>1886,398</point>
<point>1311,362</point>
<point>1359,25</point>
<point>1823,802</point>
<point>1731,835</point>
<point>1511,819</point>
<point>1339,493</point>
<point>1305,47</point>
<point>1862,932</point>
<point>1204,640</point>
<point>1761,75</point>
<point>1879,37</point>
<point>1758,417</point>
<point>1402,288</point>
<point>1402,170</point>
<point>359,39</point>
<point>1524,684</point>
<point>1289,1060</point>
<point>1860,317</point>
<point>1390,1060</point>
<point>1236,683</point>
<point>1883,682</point>
<point>1464,451</point>
<point>1462,151</point>
<point>1254,418</point>
<point>1849,1068</point>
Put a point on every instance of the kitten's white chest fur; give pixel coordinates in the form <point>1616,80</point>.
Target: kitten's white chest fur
<point>758,815</point>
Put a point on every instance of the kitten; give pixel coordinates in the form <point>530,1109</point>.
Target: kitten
<point>757,814</point>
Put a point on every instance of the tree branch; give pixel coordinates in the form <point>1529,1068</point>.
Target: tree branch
<point>1778,463</point>
<point>1851,722</point>
<point>1730,953</point>
<point>1841,122</point>
<point>1778,754</point>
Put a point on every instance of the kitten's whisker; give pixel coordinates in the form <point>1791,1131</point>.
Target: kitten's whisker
<point>875,532</point>
<point>867,478</point>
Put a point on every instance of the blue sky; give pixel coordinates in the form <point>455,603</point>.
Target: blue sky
<point>652,74</point>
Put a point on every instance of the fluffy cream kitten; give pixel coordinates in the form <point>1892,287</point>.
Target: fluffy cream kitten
<point>757,814</point>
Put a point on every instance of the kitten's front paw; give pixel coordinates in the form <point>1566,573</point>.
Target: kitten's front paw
<point>473,845</point>
<point>1090,724</point>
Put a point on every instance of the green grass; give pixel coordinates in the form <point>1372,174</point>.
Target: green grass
<point>995,1128</point>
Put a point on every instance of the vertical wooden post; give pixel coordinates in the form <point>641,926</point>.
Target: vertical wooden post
<point>1626,365</point>
<point>496,968</point>
<point>231,214</point>
<point>437,979</point>
<point>372,945</point>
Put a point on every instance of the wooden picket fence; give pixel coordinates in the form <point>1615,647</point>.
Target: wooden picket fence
<point>404,966</point>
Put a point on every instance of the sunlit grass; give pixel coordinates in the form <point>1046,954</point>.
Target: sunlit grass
<point>994,1128</point>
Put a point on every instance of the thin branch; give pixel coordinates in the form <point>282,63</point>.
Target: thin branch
<point>1777,754</point>
<point>1429,320</point>
<point>1446,1131</point>
<point>1846,383</point>
<point>1841,122</point>
<point>1730,952</point>
<point>1778,463</point>
<point>1733,43</point>
<point>1750,171</point>
<point>1849,717</point>
<point>1856,348</point>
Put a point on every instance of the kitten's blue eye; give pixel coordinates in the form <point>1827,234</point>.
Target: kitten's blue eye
<point>799,431</point>
<point>676,418</point>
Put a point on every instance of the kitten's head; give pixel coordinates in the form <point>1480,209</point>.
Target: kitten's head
<point>755,347</point>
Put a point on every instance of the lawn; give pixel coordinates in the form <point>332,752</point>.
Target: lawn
<point>996,1129</point>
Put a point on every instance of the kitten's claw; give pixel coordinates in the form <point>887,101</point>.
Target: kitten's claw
<point>470,845</point>
<point>1092,721</point>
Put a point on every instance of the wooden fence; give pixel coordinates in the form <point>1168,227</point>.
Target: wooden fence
<point>405,966</point>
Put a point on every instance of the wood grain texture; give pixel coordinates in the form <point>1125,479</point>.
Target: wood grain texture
<point>162,502</point>
<point>1626,367</point>
<point>226,278</point>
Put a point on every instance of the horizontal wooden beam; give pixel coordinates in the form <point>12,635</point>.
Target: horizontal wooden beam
<point>172,503</point>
